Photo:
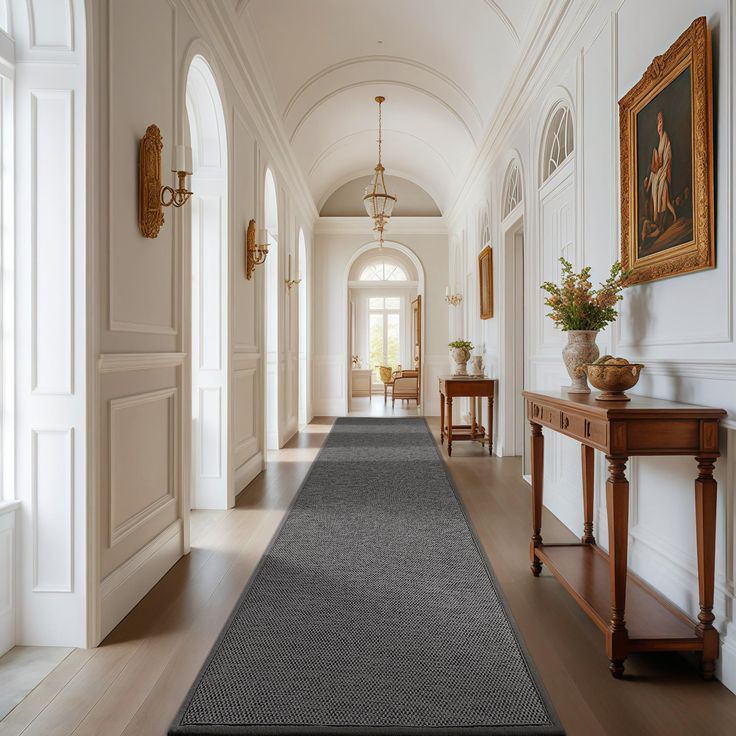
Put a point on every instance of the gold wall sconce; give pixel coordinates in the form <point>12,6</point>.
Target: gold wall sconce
<point>152,196</point>
<point>255,254</point>
<point>290,281</point>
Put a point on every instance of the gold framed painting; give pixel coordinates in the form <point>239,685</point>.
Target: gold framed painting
<point>666,128</point>
<point>485,272</point>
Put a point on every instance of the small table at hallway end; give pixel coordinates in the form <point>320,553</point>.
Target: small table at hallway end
<point>600,582</point>
<point>475,389</point>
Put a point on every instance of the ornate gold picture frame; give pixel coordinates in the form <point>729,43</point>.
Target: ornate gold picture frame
<point>666,128</point>
<point>485,274</point>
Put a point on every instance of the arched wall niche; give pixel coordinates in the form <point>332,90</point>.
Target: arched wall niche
<point>211,487</point>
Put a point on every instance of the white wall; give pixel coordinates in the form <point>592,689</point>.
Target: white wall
<point>337,241</point>
<point>140,438</point>
<point>681,328</point>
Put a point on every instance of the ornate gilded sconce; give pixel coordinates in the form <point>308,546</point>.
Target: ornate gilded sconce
<point>255,254</point>
<point>153,196</point>
<point>290,281</point>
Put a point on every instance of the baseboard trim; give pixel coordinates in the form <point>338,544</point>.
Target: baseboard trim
<point>247,472</point>
<point>123,588</point>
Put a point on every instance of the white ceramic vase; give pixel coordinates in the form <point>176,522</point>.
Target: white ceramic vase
<point>477,366</point>
<point>461,357</point>
<point>580,350</point>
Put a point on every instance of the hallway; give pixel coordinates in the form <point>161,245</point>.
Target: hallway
<point>135,681</point>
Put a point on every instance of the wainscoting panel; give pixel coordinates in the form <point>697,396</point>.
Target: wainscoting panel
<point>329,385</point>
<point>52,511</point>
<point>7,575</point>
<point>143,454</point>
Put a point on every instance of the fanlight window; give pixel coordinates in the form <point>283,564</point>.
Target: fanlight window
<point>383,272</point>
<point>512,191</point>
<point>559,142</point>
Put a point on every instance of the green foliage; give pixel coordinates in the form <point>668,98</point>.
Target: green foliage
<point>576,305</point>
<point>462,344</point>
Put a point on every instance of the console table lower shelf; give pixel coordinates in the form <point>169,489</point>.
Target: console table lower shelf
<point>653,623</point>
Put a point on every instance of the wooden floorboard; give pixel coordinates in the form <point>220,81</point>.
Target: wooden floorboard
<point>135,681</point>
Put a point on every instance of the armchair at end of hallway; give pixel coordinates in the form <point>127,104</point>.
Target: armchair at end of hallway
<point>405,386</point>
<point>386,374</point>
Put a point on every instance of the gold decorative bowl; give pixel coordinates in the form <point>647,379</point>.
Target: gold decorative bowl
<point>612,379</point>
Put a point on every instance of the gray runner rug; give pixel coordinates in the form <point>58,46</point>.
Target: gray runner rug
<point>374,610</point>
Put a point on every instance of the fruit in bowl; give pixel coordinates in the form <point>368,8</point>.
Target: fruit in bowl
<point>612,376</point>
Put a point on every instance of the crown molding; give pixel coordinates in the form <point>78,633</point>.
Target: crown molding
<point>240,45</point>
<point>555,28</point>
<point>396,226</point>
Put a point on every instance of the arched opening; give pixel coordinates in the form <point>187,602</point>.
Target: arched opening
<point>209,338</point>
<point>272,314</point>
<point>303,269</point>
<point>384,322</point>
<point>513,330</point>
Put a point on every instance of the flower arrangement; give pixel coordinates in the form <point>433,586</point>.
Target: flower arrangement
<point>462,344</point>
<point>576,305</point>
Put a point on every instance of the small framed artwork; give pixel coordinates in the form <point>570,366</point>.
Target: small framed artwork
<point>666,128</point>
<point>485,272</point>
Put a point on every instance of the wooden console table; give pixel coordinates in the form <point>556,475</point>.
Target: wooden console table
<point>474,388</point>
<point>601,584</point>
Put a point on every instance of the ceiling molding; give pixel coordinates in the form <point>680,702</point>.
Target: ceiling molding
<point>358,60</point>
<point>496,8</point>
<point>390,83</point>
<point>556,26</point>
<point>396,226</point>
<point>340,141</point>
<point>259,105</point>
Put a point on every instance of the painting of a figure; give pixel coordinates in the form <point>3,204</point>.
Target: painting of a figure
<point>666,130</point>
<point>665,168</point>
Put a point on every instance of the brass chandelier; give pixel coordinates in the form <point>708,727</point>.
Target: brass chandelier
<point>379,204</point>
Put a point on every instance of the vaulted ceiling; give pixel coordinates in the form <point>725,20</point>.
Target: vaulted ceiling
<point>441,64</point>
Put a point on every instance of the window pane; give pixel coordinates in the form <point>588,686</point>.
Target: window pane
<point>375,302</point>
<point>371,273</point>
<point>395,273</point>
<point>375,336</point>
<point>383,272</point>
<point>393,302</point>
<point>392,339</point>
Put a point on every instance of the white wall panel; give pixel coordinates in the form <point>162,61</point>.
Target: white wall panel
<point>53,503</point>
<point>52,244</point>
<point>143,454</point>
<point>51,24</point>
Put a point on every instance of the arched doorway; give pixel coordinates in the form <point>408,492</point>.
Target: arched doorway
<point>209,339</point>
<point>271,220</point>
<point>302,267</point>
<point>376,273</point>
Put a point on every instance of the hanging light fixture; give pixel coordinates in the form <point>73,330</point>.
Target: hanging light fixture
<point>379,204</point>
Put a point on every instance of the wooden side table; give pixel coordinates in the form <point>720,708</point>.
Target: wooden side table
<point>452,387</point>
<point>600,582</point>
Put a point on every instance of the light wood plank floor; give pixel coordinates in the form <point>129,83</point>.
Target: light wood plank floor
<point>135,681</point>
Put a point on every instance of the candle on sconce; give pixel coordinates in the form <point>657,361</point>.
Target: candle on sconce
<point>262,237</point>
<point>447,291</point>
<point>182,159</point>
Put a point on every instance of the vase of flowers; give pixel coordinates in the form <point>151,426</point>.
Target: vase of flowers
<point>460,351</point>
<point>582,311</point>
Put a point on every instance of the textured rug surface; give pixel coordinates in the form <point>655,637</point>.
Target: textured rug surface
<point>373,611</point>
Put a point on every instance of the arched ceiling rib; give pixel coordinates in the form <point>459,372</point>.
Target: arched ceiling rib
<point>442,69</point>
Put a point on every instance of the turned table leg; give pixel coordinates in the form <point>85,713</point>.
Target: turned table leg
<point>490,424</point>
<point>442,418</point>
<point>588,460</point>
<point>705,520</point>
<point>449,425</point>
<point>537,458</point>
<point>617,501</point>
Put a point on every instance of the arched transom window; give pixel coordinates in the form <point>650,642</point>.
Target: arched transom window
<point>512,191</point>
<point>383,271</point>
<point>558,143</point>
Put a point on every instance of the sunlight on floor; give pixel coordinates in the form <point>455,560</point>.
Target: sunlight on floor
<point>375,407</point>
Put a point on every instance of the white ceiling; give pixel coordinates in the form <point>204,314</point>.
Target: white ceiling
<point>441,64</point>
